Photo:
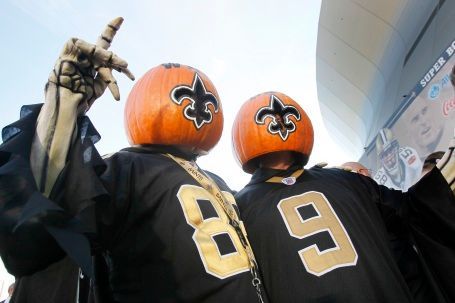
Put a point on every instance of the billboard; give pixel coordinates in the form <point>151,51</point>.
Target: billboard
<point>423,124</point>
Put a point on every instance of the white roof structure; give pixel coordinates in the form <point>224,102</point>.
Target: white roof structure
<point>361,50</point>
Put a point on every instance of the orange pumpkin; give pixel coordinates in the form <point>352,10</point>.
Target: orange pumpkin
<point>177,105</point>
<point>267,123</point>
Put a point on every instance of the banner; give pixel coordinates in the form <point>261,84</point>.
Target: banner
<point>423,124</point>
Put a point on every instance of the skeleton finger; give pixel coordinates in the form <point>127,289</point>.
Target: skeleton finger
<point>106,37</point>
<point>99,55</point>
<point>106,75</point>
<point>125,71</point>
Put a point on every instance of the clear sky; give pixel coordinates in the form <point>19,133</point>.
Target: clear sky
<point>245,47</point>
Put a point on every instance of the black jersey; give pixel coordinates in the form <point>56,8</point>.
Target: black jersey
<point>156,233</point>
<point>321,238</point>
<point>169,238</point>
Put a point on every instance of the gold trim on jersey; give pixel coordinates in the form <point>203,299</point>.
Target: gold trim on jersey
<point>293,177</point>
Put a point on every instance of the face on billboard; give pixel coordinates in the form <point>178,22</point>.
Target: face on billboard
<point>426,125</point>
<point>389,156</point>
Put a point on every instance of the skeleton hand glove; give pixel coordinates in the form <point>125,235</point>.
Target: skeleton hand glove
<point>80,76</point>
<point>447,165</point>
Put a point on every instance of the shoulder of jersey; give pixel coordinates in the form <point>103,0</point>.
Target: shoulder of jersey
<point>339,167</point>
<point>107,156</point>
<point>321,165</point>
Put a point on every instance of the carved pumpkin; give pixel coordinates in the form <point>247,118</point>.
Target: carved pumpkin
<point>177,105</point>
<point>267,123</point>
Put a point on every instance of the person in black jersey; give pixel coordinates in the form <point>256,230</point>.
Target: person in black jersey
<point>321,234</point>
<point>411,265</point>
<point>145,223</point>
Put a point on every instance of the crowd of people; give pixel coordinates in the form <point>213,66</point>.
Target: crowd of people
<point>147,224</point>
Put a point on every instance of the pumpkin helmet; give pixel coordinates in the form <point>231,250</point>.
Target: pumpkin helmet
<point>174,104</point>
<point>267,123</point>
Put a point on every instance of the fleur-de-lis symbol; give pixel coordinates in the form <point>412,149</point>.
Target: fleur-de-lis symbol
<point>280,117</point>
<point>198,110</point>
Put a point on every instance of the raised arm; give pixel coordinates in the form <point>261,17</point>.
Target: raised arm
<point>80,75</point>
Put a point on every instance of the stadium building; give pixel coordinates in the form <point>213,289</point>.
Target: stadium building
<point>383,77</point>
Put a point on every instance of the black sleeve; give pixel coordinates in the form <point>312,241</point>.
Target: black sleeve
<point>428,207</point>
<point>431,214</point>
<point>431,210</point>
<point>36,231</point>
<point>425,217</point>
